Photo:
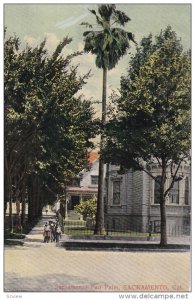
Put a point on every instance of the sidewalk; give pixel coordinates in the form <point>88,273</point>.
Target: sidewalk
<point>106,243</point>
<point>36,234</point>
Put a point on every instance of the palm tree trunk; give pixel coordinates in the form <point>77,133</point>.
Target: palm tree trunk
<point>99,226</point>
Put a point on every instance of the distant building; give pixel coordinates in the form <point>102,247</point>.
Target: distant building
<point>132,199</point>
<point>86,184</point>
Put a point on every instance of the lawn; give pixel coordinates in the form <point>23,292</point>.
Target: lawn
<point>72,223</point>
<point>82,230</point>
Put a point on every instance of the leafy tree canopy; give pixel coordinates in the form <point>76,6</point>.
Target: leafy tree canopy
<point>44,120</point>
<point>151,122</point>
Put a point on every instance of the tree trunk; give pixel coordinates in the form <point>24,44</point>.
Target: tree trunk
<point>23,215</point>
<point>5,205</point>
<point>18,213</point>
<point>9,193</point>
<point>6,193</point>
<point>30,201</point>
<point>99,226</point>
<point>10,207</point>
<point>163,237</point>
<point>41,202</point>
<point>34,196</point>
<point>66,204</point>
<point>37,196</point>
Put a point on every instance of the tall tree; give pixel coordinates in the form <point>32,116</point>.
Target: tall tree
<point>152,119</point>
<point>47,128</point>
<point>109,44</point>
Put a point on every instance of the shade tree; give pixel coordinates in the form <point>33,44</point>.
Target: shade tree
<point>47,128</point>
<point>151,120</point>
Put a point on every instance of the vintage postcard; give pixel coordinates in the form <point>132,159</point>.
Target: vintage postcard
<point>97,150</point>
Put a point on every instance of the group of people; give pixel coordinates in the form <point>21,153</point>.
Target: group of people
<point>52,232</point>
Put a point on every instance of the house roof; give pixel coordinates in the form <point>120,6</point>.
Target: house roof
<point>93,156</point>
<point>81,190</point>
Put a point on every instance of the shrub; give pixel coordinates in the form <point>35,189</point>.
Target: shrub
<point>87,208</point>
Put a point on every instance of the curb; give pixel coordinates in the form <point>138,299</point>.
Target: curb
<point>88,245</point>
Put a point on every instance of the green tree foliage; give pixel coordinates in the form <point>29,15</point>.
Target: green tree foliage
<point>109,43</point>
<point>151,123</point>
<point>87,208</point>
<point>47,128</point>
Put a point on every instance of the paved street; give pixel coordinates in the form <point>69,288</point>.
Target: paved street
<point>39,267</point>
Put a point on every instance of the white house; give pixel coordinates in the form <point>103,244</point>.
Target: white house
<point>86,184</point>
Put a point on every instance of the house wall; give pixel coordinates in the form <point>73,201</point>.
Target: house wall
<point>118,215</point>
<point>135,200</point>
<point>86,179</point>
<point>137,206</point>
<point>87,188</point>
<point>178,215</point>
<point>135,196</point>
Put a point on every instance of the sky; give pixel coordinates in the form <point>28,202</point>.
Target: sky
<point>34,22</point>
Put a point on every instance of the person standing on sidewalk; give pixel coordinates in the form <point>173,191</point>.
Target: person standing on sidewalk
<point>58,233</point>
<point>46,209</point>
<point>47,233</point>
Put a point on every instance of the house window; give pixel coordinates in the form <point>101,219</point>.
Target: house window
<point>187,191</point>
<point>157,190</point>
<point>113,224</point>
<point>94,179</point>
<point>116,192</point>
<point>174,193</point>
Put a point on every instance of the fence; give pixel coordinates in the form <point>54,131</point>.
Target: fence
<point>87,228</point>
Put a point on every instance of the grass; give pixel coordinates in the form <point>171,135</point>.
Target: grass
<point>13,242</point>
<point>14,235</point>
<point>75,222</point>
<point>85,231</point>
<point>78,231</point>
<point>131,233</point>
<point>13,238</point>
<point>17,236</point>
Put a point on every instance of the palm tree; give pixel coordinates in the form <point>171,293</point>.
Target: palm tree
<point>109,44</point>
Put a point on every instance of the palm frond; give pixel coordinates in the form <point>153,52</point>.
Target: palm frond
<point>86,24</point>
<point>99,21</point>
<point>131,37</point>
<point>106,11</point>
<point>108,44</point>
<point>120,17</point>
<point>92,11</point>
<point>85,33</point>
